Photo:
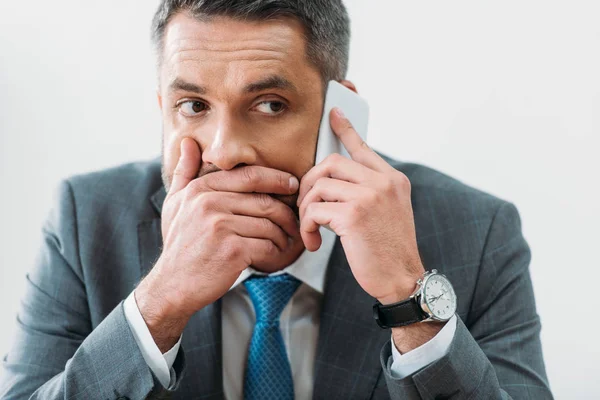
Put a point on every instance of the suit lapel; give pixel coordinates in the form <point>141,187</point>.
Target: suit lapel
<point>201,340</point>
<point>347,364</point>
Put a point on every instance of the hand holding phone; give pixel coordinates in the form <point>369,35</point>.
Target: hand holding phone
<point>356,110</point>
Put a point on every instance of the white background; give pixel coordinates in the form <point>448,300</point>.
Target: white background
<point>504,96</point>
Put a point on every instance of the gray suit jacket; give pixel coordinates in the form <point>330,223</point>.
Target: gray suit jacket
<point>103,236</point>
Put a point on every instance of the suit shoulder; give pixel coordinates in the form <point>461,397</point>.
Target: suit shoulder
<point>436,186</point>
<point>124,186</point>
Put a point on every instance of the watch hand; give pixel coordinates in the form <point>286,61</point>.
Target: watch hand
<point>436,298</point>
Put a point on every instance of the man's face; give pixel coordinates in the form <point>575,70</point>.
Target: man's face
<point>245,91</point>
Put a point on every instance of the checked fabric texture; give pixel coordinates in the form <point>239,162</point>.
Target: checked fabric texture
<point>104,234</point>
<point>268,373</point>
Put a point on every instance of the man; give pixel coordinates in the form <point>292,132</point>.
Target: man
<point>217,281</point>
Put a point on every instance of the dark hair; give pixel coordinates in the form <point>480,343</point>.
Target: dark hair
<point>326,23</point>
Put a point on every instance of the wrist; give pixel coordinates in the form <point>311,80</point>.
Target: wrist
<point>400,292</point>
<point>395,297</point>
<point>408,338</point>
<point>165,319</point>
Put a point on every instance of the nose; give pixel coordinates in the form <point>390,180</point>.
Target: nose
<point>228,146</point>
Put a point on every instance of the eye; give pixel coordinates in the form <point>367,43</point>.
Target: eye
<point>271,107</point>
<point>192,108</point>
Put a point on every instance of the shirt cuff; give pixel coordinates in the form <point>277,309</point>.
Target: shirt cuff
<point>160,364</point>
<point>404,365</point>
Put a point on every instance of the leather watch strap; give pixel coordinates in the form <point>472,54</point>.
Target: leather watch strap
<point>403,313</point>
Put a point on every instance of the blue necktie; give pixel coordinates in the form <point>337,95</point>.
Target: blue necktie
<point>268,372</point>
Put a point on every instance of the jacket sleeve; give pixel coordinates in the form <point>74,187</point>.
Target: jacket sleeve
<point>496,353</point>
<point>55,353</point>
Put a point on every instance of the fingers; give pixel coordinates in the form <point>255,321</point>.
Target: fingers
<point>258,228</point>
<point>187,166</point>
<point>328,189</point>
<point>357,148</point>
<point>316,215</point>
<point>250,179</point>
<point>258,250</point>
<point>338,167</point>
<point>254,205</point>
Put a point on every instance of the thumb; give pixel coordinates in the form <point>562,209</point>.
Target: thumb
<point>187,166</point>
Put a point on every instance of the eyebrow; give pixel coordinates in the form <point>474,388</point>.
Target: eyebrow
<point>270,82</point>
<point>180,84</point>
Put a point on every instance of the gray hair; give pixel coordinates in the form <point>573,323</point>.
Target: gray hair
<point>326,24</point>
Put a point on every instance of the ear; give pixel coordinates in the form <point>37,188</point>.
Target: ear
<point>349,85</point>
<point>159,98</point>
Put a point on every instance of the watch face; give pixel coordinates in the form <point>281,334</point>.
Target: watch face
<point>439,297</point>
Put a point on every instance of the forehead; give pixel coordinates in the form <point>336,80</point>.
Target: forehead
<point>225,46</point>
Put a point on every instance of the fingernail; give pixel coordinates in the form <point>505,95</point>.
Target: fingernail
<point>339,112</point>
<point>294,184</point>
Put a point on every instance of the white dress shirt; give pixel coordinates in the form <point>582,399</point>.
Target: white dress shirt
<point>299,323</point>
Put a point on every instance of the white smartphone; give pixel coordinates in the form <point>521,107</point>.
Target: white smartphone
<point>355,108</point>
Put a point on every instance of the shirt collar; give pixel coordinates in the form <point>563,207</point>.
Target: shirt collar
<point>309,268</point>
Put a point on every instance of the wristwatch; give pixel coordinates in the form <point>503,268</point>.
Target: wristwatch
<point>433,300</point>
